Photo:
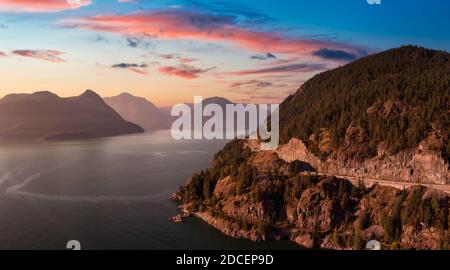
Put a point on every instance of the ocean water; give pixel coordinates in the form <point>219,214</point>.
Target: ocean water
<point>109,193</point>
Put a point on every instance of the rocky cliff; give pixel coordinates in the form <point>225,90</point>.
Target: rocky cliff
<point>261,197</point>
<point>420,165</point>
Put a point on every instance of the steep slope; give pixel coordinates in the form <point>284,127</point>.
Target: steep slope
<point>397,98</point>
<point>138,110</point>
<point>44,115</point>
<point>384,117</point>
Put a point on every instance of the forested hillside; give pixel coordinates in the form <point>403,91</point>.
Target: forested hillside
<point>397,97</point>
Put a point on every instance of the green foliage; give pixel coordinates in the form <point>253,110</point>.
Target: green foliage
<point>392,223</point>
<point>244,225</point>
<point>262,227</point>
<point>230,158</point>
<point>431,211</point>
<point>362,186</point>
<point>444,241</point>
<point>245,177</point>
<point>415,77</point>
<point>358,242</point>
<point>364,220</point>
<point>336,238</point>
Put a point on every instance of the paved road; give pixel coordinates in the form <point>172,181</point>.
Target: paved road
<point>400,185</point>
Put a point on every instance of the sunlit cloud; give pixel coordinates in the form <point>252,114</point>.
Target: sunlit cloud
<point>47,55</point>
<point>178,24</point>
<point>183,71</point>
<point>41,5</point>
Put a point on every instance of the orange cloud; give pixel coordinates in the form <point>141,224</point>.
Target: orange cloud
<point>176,24</point>
<point>47,55</point>
<point>183,71</point>
<point>41,5</point>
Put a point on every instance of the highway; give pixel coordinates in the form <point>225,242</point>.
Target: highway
<point>400,185</point>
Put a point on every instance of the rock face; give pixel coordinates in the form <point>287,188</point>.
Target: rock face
<point>319,208</point>
<point>267,161</point>
<point>421,165</point>
<point>44,115</point>
<point>389,108</point>
<point>297,150</point>
<point>317,211</point>
<point>139,111</point>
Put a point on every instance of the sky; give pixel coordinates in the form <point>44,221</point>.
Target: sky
<point>169,51</point>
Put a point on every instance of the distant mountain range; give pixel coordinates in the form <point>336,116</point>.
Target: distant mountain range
<point>44,115</point>
<point>144,113</point>
<point>221,101</point>
<point>140,111</point>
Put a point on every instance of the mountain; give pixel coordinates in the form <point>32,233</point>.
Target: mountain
<point>144,113</point>
<point>357,142</point>
<point>397,97</point>
<point>222,102</point>
<point>139,110</point>
<point>44,115</point>
<point>385,116</point>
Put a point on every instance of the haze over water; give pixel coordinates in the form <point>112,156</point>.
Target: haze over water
<point>107,193</point>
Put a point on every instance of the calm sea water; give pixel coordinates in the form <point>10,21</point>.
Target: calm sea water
<point>107,193</point>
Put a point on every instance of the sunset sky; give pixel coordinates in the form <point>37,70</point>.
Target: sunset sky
<point>171,50</point>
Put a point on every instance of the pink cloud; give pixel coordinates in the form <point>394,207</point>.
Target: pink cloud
<point>183,71</point>
<point>47,55</point>
<point>185,60</point>
<point>2,54</point>
<point>41,5</point>
<point>176,24</point>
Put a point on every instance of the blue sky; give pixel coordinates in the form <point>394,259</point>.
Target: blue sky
<point>392,23</point>
<point>170,50</point>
